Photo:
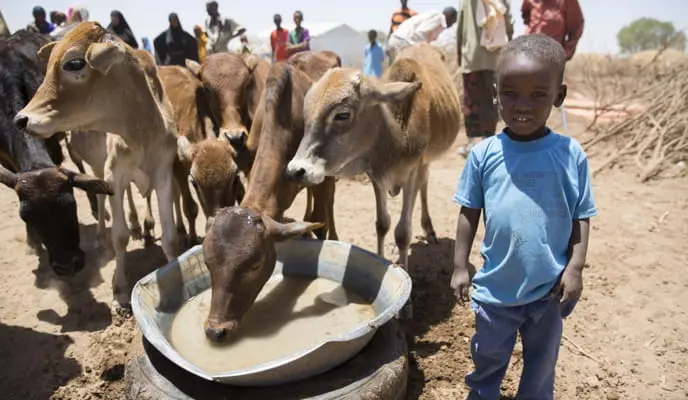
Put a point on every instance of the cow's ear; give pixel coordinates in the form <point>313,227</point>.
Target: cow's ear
<point>279,231</point>
<point>8,178</point>
<point>103,56</point>
<point>44,52</point>
<point>194,67</point>
<point>394,91</point>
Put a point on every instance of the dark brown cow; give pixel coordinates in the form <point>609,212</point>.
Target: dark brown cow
<point>28,164</point>
<point>239,247</point>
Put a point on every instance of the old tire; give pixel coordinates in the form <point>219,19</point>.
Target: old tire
<point>379,371</point>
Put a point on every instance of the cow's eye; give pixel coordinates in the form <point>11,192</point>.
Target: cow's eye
<point>74,65</point>
<point>342,116</point>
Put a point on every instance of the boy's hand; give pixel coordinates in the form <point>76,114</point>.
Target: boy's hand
<point>571,285</point>
<point>460,282</point>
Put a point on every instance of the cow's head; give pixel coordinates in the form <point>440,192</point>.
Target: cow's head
<point>342,118</point>
<point>213,174</point>
<point>78,92</point>
<point>47,205</point>
<point>239,251</point>
<point>229,84</point>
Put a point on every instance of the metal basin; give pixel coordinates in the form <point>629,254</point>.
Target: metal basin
<point>159,295</point>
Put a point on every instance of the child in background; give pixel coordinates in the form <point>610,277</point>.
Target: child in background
<point>299,38</point>
<point>534,186</point>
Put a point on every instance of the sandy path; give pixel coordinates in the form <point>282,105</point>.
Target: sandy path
<point>630,322</point>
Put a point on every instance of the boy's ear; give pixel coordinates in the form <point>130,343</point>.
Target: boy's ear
<point>560,96</point>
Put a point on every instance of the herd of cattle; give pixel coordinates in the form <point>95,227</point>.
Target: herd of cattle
<point>284,126</point>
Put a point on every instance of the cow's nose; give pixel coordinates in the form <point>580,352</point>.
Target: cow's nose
<point>21,121</point>
<point>216,334</point>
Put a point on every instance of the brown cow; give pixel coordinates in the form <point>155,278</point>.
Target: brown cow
<point>391,129</point>
<point>95,82</point>
<point>239,247</point>
<point>233,87</point>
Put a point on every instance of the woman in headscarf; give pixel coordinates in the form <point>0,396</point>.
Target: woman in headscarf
<point>78,14</point>
<point>120,27</point>
<point>174,46</point>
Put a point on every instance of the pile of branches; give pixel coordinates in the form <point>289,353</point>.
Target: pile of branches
<point>655,139</point>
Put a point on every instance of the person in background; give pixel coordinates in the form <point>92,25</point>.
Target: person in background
<point>75,16</point>
<point>244,45</point>
<point>424,27</point>
<point>145,43</point>
<point>400,16</point>
<point>174,46</point>
<point>374,56</point>
<point>201,42</point>
<point>299,38</point>
<point>219,30</point>
<point>534,187</point>
<point>120,27</point>
<point>58,18</point>
<point>278,40</point>
<point>477,65</point>
<point>562,20</point>
<point>40,24</point>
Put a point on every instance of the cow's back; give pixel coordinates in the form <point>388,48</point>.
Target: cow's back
<point>437,104</point>
<point>183,90</point>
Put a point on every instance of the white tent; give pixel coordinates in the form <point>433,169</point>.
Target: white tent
<point>339,37</point>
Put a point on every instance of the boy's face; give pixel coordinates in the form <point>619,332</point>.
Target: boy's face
<point>526,91</point>
<point>372,36</point>
<point>297,19</point>
<point>277,20</point>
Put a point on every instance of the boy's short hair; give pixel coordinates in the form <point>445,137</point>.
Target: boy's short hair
<point>372,33</point>
<point>540,47</point>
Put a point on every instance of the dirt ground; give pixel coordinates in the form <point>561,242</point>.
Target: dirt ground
<point>626,339</point>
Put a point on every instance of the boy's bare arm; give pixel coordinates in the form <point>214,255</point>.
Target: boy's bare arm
<point>466,228</point>
<point>571,284</point>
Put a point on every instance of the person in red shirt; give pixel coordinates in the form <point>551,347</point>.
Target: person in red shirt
<point>278,40</point>
<point>562,20</point>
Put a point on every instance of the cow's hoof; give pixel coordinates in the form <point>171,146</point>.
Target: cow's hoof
<point>121,310</point>
<point>431,238</point>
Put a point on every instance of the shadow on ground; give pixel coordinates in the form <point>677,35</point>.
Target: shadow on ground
<point>34,364</point>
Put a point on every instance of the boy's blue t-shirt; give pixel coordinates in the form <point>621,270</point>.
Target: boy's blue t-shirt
<point>530,192</point>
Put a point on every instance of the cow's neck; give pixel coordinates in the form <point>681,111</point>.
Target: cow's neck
<point>268,191</point>
<point>146,112</point>
<point>392,145</point>
<point>27,153</point>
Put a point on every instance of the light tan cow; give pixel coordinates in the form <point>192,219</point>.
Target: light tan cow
<point>95,82</point>
<point>391,129</point>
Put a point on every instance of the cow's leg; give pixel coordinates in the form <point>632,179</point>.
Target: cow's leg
<point>190,206</point>
<point>425,220</point>
<point>179,218</point>
<point>329,202</point>
<point>404,228</point>
<point>382,221</point>
<point>164,187</point>
<point>134,225</point>
<point>323,199</point>
<point>92,197</point>
<point>148,224</point>
<point>309,205</point>
<point>120,240</point>
<point>103,214</point>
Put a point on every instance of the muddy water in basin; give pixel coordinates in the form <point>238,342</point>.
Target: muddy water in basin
<point>291,314</point>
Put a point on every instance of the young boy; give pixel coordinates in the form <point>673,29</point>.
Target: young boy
<point>373,56</point>
<point>534,186</point>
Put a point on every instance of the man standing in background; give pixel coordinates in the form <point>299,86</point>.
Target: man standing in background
<point>477,63</point>
<point>219,30</point>
<point>562,20</point>
<point>39,24</point>
<point>278,40</point>
<point>374,56</point>
<point>399,16</point>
